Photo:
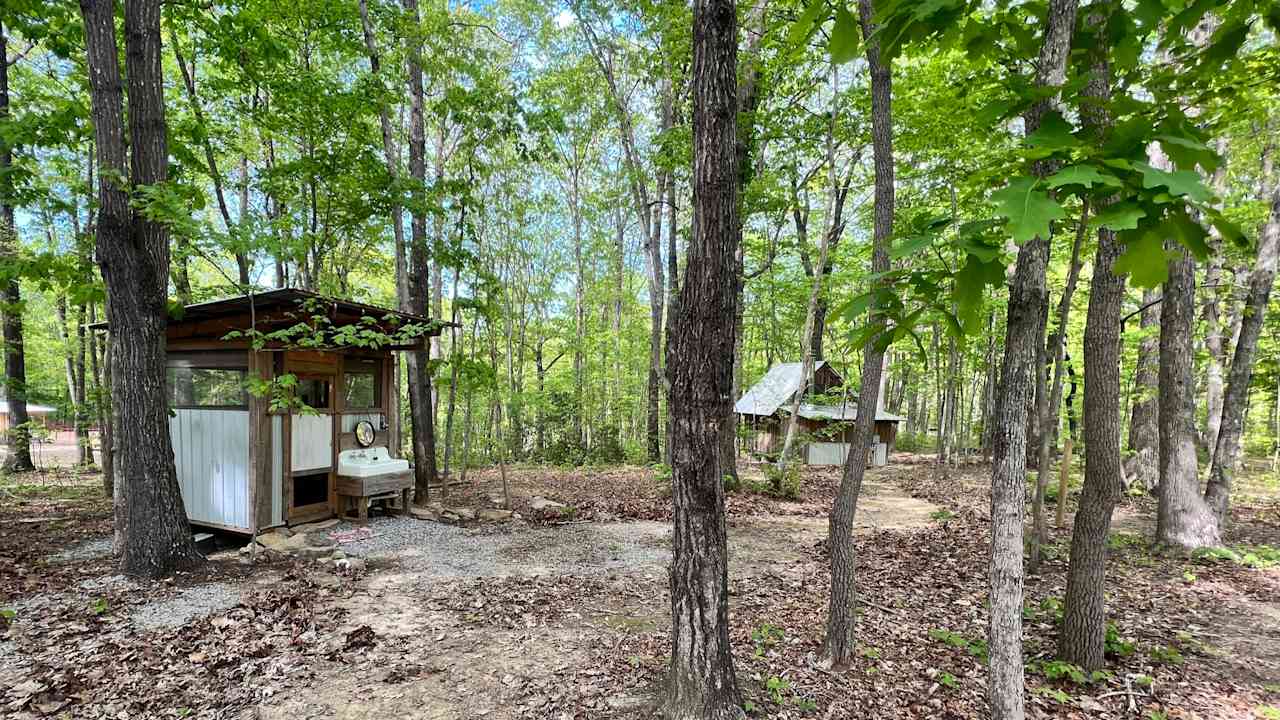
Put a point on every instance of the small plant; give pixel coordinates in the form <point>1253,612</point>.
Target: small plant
<point>948,680</point>
<point>942,515</point>
<point>1157,715</point>
<point>783,484</point>
<point>1053,694</point>
<point>977,648</point>
<point>1114,644</point>
<point>1267,712</point>
<point>776,686</point>
<point>1167,656</point>
<point>99,606</point>
<point>765,637</point>
<point>1188,577</point>
<point>1058,670</point>
<point>1257,557</point>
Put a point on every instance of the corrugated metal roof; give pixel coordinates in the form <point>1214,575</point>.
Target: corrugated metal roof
<point>778,385</point>
<point>848,411</point>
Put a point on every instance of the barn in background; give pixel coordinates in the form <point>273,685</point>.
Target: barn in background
<point>826,426</point>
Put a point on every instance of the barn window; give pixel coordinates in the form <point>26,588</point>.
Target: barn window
<point>195,387</point>
<point>360,386</point>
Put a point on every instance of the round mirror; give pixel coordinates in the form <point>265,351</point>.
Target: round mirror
<point>364,433</point>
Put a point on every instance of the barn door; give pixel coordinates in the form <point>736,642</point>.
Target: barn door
<point>311,449</point>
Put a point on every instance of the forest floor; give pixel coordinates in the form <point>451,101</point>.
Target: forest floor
<point>565,614</point>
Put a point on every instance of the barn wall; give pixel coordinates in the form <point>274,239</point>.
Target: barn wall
<point>211,455</point>
<point>277,469</point>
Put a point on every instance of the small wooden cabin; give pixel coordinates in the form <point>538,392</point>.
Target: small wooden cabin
<point>766,407</point>
<point>244,466</point>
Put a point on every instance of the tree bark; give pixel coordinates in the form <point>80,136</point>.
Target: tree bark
<point>133,252</point>
<point>1084,621</point>
<point>1227,451</point>
<point>700,372</point>
<point>1183,519</point>
<point>1009,429</point>
<point>838,645</point>
<point>421,396</point>
<point>18,439</point>
<point>1049,414</point>
<point>1143,466</point>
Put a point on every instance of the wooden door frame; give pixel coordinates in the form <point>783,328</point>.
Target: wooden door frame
<point>314,511</point>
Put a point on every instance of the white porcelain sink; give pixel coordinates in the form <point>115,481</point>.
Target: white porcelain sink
<point>367,462</point>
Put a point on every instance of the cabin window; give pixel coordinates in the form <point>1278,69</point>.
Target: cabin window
<point>193,387</point>
<point>361,390</point>
<point>313,392</point>
<point>360,386</point>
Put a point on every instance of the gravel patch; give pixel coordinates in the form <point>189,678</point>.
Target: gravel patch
<point>88,550</point>
<point>445,551</point>
<point>187,605</point>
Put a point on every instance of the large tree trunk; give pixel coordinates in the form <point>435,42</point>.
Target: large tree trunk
<point>421,397</point>
<point>838,645</point>
<point>700,372</point>
<point>1183,519</point>
<point>1143,466</point>
<point>1009,418</point>
<point>1227,451</point>
<point>1084,619</point>
<point>18,439</point>
<point>133,253</point>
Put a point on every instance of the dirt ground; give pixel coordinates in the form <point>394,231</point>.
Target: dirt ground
<point>565,614</point>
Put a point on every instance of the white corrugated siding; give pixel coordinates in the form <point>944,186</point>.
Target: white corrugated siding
<point>349,420</point>
<point>312,439</point>
<point>211,454</point>
<point>821,453</point>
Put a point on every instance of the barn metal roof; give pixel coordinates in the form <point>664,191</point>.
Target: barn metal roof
<point>778,385</point>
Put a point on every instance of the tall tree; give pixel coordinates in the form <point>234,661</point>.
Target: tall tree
<point>1084,619</point>
<point>838,645</point>
<point>700,372</point>
<point>1227,452</point>
<point>421,396</point>
<point>1009,442</point>
<point>17,440</point>
<point>133,253</point>
<point>1143,466</point>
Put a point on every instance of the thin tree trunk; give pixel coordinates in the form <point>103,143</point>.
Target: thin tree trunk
<point>1009,439</point>
<point>1084,619</point>
<point>1143,466</point>
<point>18,439</point>
<point>1234,410</point>
<point>421,396</point>
<point>700,372</point>
<point>1049,414</point>
<point>838,644</point>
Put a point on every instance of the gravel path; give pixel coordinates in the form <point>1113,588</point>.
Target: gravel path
<point>444,551</point>
<point>88,550</point>
<point>189,604</point>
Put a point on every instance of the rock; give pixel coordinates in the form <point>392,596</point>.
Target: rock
<point>315,526</point>
<point>310,552</point>
<point>541,504</point>
<point>356,565</point>
<point>320,540</point>
<point>282,543</point>
<point>463,513</point>
<point>494,514</point>
<point>425,513</point>
<point>339,555</point>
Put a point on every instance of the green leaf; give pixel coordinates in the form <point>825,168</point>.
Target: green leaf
<point>1030,211</point>
<point>1054,134</point>
<point>1120,216</point>
<point>1189,233</point>
<point>1144,259</point>
<point>1179,182</point>
<point>1086,175</point>
<point>844,36</point>
<point>803,27</point>
<point>910,246</point>
<point>969,289</point>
